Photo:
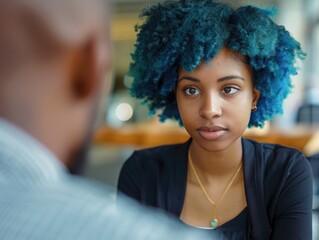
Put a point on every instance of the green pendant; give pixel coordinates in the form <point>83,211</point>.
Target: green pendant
<point>213,223</point>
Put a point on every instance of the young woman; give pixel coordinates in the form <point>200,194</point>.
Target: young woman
<point>217,70</point>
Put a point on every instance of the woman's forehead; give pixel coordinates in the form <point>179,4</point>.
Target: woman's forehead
<point>225,61</point>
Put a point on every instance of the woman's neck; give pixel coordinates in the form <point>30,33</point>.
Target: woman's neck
<point>216,164</point>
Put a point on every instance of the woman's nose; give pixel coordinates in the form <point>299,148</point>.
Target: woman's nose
<point>211,107</point>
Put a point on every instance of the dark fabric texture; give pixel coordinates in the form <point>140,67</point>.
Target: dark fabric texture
<point>278,186</point>
<point>235,229</point>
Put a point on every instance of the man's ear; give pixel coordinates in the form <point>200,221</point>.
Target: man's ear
<point>84,75</point>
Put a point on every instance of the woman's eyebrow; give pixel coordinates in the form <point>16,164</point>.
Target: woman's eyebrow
<point>189,78</point>
<point>219,80</point>
<point>230,78</point>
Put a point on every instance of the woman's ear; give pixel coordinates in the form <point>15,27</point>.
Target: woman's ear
<point>256,95</point>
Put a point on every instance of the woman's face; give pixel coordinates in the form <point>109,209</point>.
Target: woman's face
<point>215,100</point>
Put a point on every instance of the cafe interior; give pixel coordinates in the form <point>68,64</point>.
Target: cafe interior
<point>124,123</point>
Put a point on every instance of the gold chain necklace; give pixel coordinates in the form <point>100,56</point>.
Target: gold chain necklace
<point>214,221</point>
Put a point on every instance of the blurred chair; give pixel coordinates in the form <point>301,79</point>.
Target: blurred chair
<point>308,114</point>
<point>314,162</point>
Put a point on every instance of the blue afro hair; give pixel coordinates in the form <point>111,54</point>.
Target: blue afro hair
<point>182,34</point>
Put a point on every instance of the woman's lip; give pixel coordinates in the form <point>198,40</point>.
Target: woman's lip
<point>212,133</point>
<point>212,129</point>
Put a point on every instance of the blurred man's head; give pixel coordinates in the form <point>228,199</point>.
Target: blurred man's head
<point>54,56</point>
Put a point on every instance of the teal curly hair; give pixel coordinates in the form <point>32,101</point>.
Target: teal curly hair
<point>181,34</point>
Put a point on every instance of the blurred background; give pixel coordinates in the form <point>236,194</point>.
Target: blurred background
<point>124,124</point>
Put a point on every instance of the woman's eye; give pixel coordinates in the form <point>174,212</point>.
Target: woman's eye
<point>191,91</point>
<point>230,90</point>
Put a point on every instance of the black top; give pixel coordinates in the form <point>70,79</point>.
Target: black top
<point>278,186</point>
<point>235,229</point>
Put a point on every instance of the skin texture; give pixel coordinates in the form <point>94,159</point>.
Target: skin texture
<point>215,103</point>
<point>54,58</point>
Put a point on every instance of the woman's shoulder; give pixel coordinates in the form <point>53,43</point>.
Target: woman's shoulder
<point>161,150</point>
<point>159,155</point>
<point>270,149</point>
<point>274,156</point>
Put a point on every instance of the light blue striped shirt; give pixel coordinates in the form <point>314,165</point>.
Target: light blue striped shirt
<point>40,200</point>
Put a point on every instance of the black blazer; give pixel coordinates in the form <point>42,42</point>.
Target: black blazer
<point>278,186</point>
